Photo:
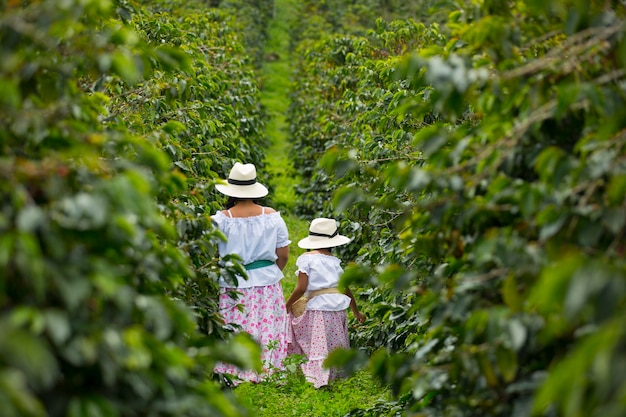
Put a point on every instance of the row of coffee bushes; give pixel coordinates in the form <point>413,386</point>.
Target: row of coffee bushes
<point>205,114</point>
<point>346,113</point>
<point>115,121</point>
<point>489,181</point>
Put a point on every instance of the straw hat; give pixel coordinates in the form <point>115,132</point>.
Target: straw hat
<point>323,233</point>
<point>241,183</point>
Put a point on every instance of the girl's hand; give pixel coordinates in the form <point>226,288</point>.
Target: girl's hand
<point>360,317</point>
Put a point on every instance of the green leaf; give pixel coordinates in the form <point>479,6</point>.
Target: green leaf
<point>510,293</point>
<point>429,139</point>
<point>547,162</point>
<point>551,221</point>
<point>614,219</point>
<point>507,363</point>
<point>349,360</point>
<point>584,285</point>
<point>30,354</point>
<point>616,190</point>
<point>518,334</point>
<point>418,180</point>
<point>486,368</point>
<point>242,351</point>
<point>16,397</point>
<point>57,325</point>
<point>125,66</point>
<point>174,127</point>
<point>83,211</point>
<point>92,406</point>
<point>548,294</point>
<point>173,58</point>
<point>10,96</point>
<point>567,94</point>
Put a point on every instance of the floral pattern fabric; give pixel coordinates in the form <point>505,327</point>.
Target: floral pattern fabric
<point>315,334</point>
<point>264,317</point>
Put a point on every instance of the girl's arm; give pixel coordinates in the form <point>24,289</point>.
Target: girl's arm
<point>303,282</point>
<point>355,310</point>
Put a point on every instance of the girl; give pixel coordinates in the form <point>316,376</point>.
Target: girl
<point>323,326</point>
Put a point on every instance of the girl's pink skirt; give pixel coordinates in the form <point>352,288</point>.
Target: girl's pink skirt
<point>264,317</point>
<point>316,334</point>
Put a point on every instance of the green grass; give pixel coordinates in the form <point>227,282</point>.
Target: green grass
<point>276,73</point>
<point>298,398</point>
<point>298,229</point>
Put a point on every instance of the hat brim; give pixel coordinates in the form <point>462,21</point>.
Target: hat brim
<point>318,242</point>
<point>256,190</point>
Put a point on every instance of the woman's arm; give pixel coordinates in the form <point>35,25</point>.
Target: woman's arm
<point>283,257</point>
<point>303,282</point>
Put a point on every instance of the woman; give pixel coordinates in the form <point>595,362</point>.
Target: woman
<point>258,235</point>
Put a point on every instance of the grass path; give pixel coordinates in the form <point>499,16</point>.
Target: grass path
<point>276,73</point>
<point>292,396</point>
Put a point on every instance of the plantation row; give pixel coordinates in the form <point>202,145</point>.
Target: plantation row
<point>478,153</point>
<point>116,118</point>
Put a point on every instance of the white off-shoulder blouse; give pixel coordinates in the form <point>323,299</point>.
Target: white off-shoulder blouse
<point>323,271</point>
<point>253,238</point>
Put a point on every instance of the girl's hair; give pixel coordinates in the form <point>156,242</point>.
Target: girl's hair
<point>328,249</point>
<point>230,203</point>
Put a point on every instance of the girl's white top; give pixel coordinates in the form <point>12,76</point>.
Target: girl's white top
<point>253,238</point>
<point>323,272</point>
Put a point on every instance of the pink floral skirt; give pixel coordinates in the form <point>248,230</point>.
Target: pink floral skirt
<point>315,334</point>
<point>263,316</point>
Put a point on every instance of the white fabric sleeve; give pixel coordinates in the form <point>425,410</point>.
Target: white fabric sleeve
<point>303,265</point>
<point>217,219</point>
<point>282,238</point>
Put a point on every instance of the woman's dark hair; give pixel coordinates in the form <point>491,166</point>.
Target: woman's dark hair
<point>230,203</point>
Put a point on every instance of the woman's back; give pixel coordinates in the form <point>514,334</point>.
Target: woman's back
<point>253,238</point>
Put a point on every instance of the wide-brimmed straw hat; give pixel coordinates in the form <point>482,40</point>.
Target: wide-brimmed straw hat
<point>241,183</point>
<point>323,233</point>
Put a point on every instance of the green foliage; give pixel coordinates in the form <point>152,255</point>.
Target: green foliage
<point>115,121</point>
<point>253,18</point>
<point>317,19</point>
<point>484,170</point>
<point>205,114</point>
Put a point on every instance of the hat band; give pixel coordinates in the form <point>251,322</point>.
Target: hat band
<point>241,182</point>
<point>323,234</point>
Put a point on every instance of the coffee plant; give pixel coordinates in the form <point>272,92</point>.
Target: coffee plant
<point>205,116</point>
<point>488,189</point>
<point>116,119</point>
<point>475,151</point>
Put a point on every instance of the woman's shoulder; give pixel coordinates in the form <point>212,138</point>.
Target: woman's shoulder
<point>224,214</point>
<point>219,215</point>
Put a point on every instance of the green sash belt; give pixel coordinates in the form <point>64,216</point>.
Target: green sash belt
<point>261,263</point>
